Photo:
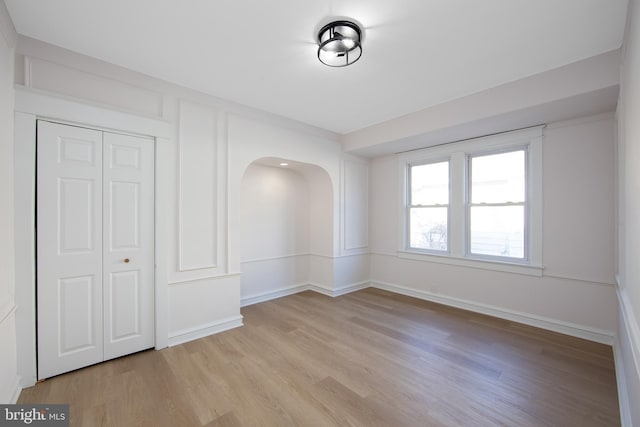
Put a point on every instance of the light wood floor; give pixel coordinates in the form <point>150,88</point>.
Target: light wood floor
<point>370,358</point>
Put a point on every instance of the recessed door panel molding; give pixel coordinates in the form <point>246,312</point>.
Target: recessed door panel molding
<point>95,243</point>
<point>76,150</point>
<point>77,215</point>
<point>125,307</point>
<point>77,314</point>
<point>125,215</point>
<point>125,157</point>
<point>197,192</point>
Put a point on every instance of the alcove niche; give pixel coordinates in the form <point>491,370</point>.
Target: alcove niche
<point>286,219</point>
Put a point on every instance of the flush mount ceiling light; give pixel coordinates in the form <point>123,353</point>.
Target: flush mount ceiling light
<point>339,43</point>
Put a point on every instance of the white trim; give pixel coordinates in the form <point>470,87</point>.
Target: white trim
<point>567,328</point>
<point>336,292</point>
<point>195,333</point>
<point>214,263</point>
<point>457,154</point>
<point>632,328</point>
<point>47,105</point>
<point>25,265</point>
<point>30,106</point>
<point>16,392</point>
<point>295,289</point>
<point>161,244</point>
<point>621,380</point>
<point>7,310</point>
<point>526,269</point>
<point>581,120</point>
<point>344,248</point>
<point>267,296</point>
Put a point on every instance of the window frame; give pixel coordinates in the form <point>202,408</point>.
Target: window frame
<point>458,233</point>
<point>526,204</point>
<point>410,206</point>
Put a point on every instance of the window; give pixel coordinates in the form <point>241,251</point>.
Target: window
<point>429,206</point>
<point>475,202</point>
<point>497,205</point>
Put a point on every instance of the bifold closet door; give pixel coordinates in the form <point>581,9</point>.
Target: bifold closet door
<point>128,252</point>
<point>94,246</point>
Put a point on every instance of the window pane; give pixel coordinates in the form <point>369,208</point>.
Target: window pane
<point>428,228</point>
<point>430,184</point>
<point>498,178</point>
<point>497,231</point>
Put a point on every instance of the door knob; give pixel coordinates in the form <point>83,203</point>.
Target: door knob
<point>126,260</point>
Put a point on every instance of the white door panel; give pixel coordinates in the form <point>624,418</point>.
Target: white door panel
<point>69,227</point>
<point>95,246</point>
<point>128,246</point>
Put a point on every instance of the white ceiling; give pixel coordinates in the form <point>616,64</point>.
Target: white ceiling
<point>417,53</point>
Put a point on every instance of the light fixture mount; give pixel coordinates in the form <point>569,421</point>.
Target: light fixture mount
<point>339,43</point>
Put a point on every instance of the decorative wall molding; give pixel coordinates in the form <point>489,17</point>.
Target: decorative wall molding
<point>67,109</point>
<point>567,328</point>
<point>355,193</point>
<point>69,81</point>
<point>202,331</point>
<point>632,327</point>
<point>197,187</point>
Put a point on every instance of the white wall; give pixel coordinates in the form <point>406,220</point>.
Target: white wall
<point>576,293</point>
<point>275,225</point>
<point>8,360</point>
<point>211,143</point>
<point>628,267</point>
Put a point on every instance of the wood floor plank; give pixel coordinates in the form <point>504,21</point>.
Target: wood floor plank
<point>370,358</point>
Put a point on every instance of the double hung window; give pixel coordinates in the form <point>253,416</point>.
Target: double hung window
<point>476,201</point>
<point>429,206</point>
<point>497,205</point>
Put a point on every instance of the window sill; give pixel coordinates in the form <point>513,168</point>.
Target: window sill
<point>507,267</point>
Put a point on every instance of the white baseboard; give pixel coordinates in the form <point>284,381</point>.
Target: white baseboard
<point>278,293</point>
<point>621,380</point>
<point>283,292</point>
<point>343,290</point>
<point>191,334</point>
<point>567,328</point>
<point>16,392</point>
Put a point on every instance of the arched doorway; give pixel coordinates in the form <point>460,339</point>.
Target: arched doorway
<point>286,217</point>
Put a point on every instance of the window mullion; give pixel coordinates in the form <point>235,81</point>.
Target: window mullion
<point>457,215</point>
